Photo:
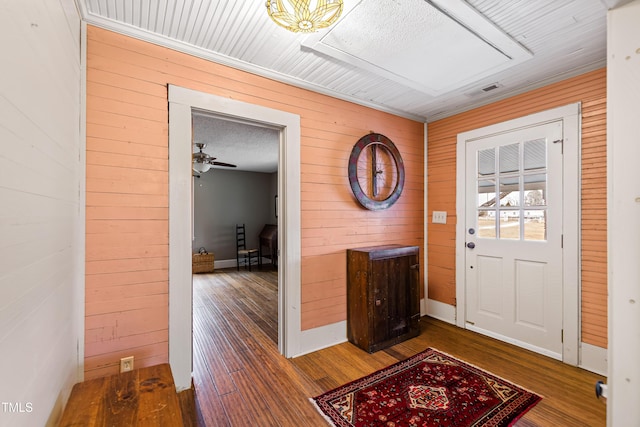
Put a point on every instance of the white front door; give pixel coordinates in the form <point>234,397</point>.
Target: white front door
<point>514,237</point>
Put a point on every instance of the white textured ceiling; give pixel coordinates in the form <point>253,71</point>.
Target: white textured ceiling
<point>250,147</point>
<point>419,59</point>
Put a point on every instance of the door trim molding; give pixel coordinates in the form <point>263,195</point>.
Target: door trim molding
<point>571,214</point>
<point>181,103</point>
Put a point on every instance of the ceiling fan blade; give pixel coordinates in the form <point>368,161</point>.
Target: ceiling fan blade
<point>229,165</point>
<point>201,157</point>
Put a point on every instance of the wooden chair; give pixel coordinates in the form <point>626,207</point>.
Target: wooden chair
<point>244,256</point>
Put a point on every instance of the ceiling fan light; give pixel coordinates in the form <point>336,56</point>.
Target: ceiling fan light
<point>298,17</point>
<point>200,160</point>
<point>201,167</point>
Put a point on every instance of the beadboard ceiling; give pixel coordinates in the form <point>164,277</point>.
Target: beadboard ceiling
<point>421,59</point>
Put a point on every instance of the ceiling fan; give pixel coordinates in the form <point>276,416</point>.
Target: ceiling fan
<point>202,162</point>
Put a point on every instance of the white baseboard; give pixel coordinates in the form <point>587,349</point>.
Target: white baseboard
<point>593,359</point>
<point>231,263</point>
<point>318,338</point>
<point>224,263</point>
<point>441,311</point>
<point>326,336</point>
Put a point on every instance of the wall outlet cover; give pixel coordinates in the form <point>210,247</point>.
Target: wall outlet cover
<point>126,364</point>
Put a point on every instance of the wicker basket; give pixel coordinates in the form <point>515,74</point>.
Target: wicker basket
<point>202,263</point>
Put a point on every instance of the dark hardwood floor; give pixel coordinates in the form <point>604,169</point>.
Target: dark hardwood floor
<point>241,380</point>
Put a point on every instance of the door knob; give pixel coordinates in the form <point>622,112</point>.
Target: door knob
<point>471,245</point>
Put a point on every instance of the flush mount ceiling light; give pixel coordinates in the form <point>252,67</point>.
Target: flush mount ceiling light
<point>298,15</point>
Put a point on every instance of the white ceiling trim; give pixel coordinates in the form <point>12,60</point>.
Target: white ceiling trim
<point>164,41</point>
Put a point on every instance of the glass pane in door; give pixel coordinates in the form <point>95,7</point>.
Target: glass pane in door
<point>510,158</point>
<point>510,224</point>
<point>487,224</point>
<point>535,154</point>
<point>509,190</point>
<point>486,162</point>
<point>535,188</point>
<point>486,193</point>
<point>535,225</point>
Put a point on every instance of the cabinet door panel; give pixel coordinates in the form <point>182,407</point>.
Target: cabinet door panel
<point>381,277</point>
<point>399,298</point>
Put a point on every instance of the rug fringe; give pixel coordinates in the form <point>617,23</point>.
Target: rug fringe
<point>327,419</point>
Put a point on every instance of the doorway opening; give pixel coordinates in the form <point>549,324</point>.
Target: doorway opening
<point>182,103</point>
<point>240,191</point>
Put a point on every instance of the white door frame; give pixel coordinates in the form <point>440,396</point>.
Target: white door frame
<point>570,115</point>
<point>181,103</point>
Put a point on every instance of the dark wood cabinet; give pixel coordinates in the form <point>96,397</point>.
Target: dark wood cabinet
<point>383,295</point>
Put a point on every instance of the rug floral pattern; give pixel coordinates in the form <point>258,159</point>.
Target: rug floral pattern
<point>428,389</point>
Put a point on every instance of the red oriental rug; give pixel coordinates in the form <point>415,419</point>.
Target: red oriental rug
<point>428,389</point>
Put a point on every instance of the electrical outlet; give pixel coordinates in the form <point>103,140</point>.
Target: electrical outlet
<point>439,217</point>
<point>126,364</point>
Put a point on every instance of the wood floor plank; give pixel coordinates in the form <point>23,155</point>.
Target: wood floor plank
<point>256,300</point>
<point>235,333</point>
<point>254,397</point>
<point>237,410</point>
<point>208,359</point>
<point>228,339</point>
<point>208,403</point>
<point>259,317</point>
<point>277,398</point>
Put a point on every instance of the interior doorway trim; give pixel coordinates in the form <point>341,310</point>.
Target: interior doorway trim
<point>570,116</point>
<point>181,103</point>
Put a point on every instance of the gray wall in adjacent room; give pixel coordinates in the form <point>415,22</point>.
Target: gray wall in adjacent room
<point>224,198</point>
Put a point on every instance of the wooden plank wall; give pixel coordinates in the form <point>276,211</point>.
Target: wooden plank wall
<point>590,89</point>
<point>41,280</point>
<point>127,191</point>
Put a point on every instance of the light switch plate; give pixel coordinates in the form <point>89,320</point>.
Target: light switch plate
<point>439,217</point>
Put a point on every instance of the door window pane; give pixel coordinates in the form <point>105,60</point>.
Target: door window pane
<point>535,190</point>
<point>509,191</point>
<point>487,162</point>
<point>486,193</point>
<point>535,154</point>
<point>510,158</point>
<point>535,225</point>
<point>510,224</point>
<point>487,224</point>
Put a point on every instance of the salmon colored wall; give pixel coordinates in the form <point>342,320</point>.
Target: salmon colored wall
<point>127,191</point>
<point>590,89</point>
